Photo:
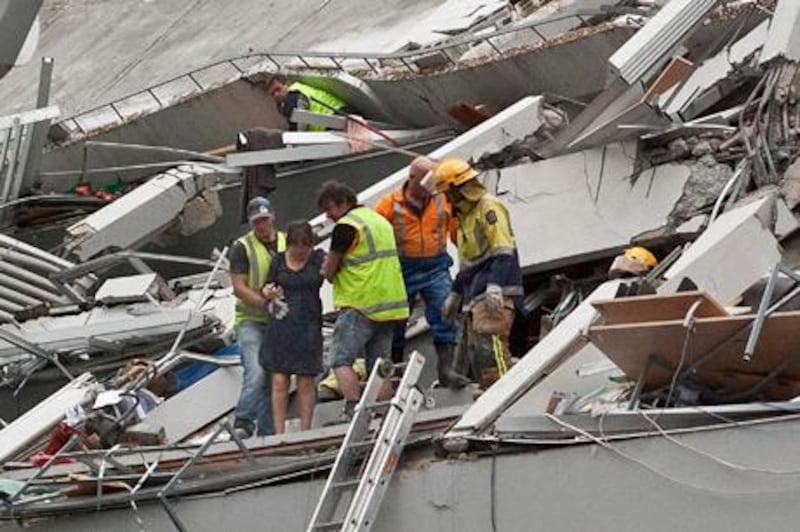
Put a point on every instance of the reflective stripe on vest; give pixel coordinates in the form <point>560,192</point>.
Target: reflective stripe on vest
<point>259,259</point>
<point>400,227</point>
<point>370,279</point>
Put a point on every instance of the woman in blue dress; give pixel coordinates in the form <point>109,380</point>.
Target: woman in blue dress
<point>293,343</point>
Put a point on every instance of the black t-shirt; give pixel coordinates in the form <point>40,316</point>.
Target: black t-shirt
<point>342,238</point>
<point>294,100</point>
<point>238,256</point>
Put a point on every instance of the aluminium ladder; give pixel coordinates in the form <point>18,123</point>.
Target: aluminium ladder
<point>361,484</point>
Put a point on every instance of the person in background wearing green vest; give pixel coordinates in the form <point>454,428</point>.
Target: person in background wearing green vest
<point>368,288</point>
<point>250,261</point>
<point>295,95</point>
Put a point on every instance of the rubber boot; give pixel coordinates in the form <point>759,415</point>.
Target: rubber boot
<point>448,376</point>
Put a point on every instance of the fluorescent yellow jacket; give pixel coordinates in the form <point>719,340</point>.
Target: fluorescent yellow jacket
<point>260,260</point>
<point>370,279</point>
<point>487,251</point>
<point>485,232</point>
<point>319,101</point>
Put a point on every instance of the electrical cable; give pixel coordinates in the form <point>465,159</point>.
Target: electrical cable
<point>652,469</point>
<point>718,460</point>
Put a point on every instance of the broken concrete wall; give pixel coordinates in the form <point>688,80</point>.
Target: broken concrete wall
<point>741,237</point>
<point>595,196</point>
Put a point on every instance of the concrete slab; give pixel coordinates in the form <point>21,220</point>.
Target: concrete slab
<point>608,204</point>
<point>734,252</point>
<point>198,405</point>
<point>566,378</point>
<point>129,289</point>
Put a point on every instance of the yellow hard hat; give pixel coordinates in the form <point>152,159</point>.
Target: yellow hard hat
<point>642,255</point>
<point>452,173</point>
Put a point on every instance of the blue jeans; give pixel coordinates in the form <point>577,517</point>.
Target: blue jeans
<point>255,400</point>
<point>354,335</point>
<point>434,288</point>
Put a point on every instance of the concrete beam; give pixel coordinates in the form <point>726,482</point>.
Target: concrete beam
<point>139,215</point>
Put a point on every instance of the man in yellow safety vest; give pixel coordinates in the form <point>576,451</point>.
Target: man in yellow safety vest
<point>368,288</point>
<point>296,95</point>
<point>250,260</point>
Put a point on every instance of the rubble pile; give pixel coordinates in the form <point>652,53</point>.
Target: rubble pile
<point>690,150</point>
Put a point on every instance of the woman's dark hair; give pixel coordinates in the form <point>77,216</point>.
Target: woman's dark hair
<point>336,193</point>
<point>299,232</point>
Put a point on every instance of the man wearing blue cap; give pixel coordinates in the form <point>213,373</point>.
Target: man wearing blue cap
<point>250,260</point>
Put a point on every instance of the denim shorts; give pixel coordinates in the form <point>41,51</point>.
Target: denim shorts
<point>354,336</point>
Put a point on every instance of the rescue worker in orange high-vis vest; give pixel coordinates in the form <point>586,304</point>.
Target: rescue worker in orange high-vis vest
<point>422,225</point>
<point>488,287</point>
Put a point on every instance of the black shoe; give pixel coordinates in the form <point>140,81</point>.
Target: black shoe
<point>243,428</point>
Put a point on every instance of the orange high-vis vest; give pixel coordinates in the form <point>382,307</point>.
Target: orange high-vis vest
<point>418,236</point>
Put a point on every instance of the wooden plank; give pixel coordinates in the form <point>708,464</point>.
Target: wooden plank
<point>629,346</point>
<point>642,309</point>
<point>677,70</point>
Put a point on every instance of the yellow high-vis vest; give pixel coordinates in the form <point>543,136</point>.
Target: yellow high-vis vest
<point>370,279</point>
<point>319,101</point>
<point>260,260</point>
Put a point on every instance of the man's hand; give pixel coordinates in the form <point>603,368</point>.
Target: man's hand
<point>494,297</point>
<point>451,306</point>
<point>271,291</point>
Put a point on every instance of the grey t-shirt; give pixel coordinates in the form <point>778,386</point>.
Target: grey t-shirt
<point>238,256</point>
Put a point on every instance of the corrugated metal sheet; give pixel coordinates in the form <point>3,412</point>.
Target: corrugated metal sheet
<point>783,39</point>
<point>655,42</point>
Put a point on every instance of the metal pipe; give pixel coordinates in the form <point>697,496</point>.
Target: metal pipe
<point>718,204</point>
<point>166,359</point>
<point>761,315</point>
<point>155,149</point>
<point>117,169</point>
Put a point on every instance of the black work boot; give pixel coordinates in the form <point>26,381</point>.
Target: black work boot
<point>448,376</point>
<point>243,428</point>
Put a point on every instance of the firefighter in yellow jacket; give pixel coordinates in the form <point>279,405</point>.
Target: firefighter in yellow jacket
<point>488,286</point>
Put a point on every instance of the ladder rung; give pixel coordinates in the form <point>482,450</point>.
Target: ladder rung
<point>362,444</point>
<point>346,483</point>
<point>379,404</point>
<point>330,525</point>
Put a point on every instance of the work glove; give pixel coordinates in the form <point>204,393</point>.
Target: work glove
<point>278,308</point>
<point>494,297</point>
<point>451,306</point>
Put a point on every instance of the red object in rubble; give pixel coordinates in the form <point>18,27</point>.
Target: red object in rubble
<point>83,189</point>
